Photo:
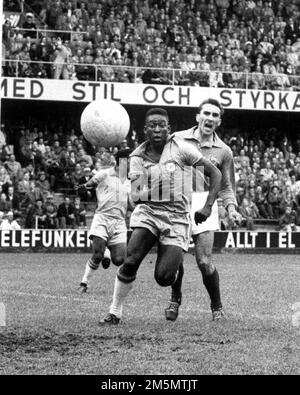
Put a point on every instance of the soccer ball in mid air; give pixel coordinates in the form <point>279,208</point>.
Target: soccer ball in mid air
<point>104,123</point>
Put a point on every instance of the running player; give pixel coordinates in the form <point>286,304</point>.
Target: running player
<point>204,138</point>
<point>157,170</point>
<point>108,228</point>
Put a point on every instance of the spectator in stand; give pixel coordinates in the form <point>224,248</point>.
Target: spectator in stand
<point>5,180</point>
<point>274,200</point>
<point>267,172</point>
<point>84,159</point>
<point>29,25</point>
<point>42,183</point>
<point>51,221</point>
<point>9,223</point>
<point>249,212</point>
<point>14,169</point>
<point>32,195</point>
<point>287,221</point>
<point>77,174</point>
<point>5,205</point>
<point>2,136</point>
<point>62,56</point>
<point>261,202</point>
<point>37,217</point>
<point>80,213</point>
<point>24,185</point>
<point>66,214</point>
<point>87,195</point>
<point>13,197</point>
<point>71,160</point>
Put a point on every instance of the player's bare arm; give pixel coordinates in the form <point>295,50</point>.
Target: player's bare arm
<point>91,183</point>
<point>227,192</point>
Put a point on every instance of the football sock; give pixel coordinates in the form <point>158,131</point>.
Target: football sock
<point>90,267</point>
<point>121,290</point>
<point>176,286</point>
<point>212,284</point>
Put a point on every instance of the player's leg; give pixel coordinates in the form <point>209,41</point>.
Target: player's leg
<point>118,253</point>
<point>172,310</point>
<point>169,259</point>
<point>169,271</point>
<point>210,276</point>
<point>106,259</point>
<point>98,248</point>
<point>117,246</point>
<point>140,243</point>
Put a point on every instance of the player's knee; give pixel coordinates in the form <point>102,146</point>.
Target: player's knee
<point>118,260</point>
<point>206,268</point>
<point>97,256</point>
<point>94,263</point>
<point>164,279</point>
<point>126,273</point>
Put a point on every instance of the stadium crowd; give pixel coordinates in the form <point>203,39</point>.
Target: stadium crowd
<point>39,166</point>
<point>208,43</point>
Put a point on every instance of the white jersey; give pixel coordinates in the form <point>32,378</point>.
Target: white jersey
<point>6,225</point>
<point>112,194</point>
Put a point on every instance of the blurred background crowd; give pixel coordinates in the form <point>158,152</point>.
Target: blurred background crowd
<point>213,43</point>
<point>207,43</point>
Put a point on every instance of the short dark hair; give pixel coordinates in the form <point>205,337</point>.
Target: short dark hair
<point>122,153</point>
<point>158,111</point>
<point>214,102</point>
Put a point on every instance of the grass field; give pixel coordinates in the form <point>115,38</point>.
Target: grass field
<point>51,329</point>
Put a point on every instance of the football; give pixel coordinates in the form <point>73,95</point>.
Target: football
<point>104,123</point>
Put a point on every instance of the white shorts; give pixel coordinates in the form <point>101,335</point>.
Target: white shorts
<point>212,222</point>
<point>113,231</point>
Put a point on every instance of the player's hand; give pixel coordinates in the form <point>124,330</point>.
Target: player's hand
<point>202,215</point>
<point>235,217</point>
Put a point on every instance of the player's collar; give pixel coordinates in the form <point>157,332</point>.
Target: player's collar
<point>141,149</point>
<point>194,135</point>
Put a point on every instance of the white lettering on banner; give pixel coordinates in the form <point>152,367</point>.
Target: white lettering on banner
<point>36,236</point>
<point>268,239</point>
<point>72,239</point>
<point>253,235</point>
<point>285,240</point>
<point>47,238</point>
<point>144,94</point>
<point>290,243</point>
<point>80,238</point>
<point>59,238</point>
<point>238,243</point>
<point>25,238</point>
<point>69,241</point>
<point>282,240</point>
<point>5,240</point>
<point>14,243</point>
<point>230,243</point>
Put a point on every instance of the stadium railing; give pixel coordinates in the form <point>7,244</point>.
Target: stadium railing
<point>69,35</point>
<point>152,75</point>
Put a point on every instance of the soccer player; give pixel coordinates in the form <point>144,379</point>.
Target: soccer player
<point>108,228</point>
<point>204,138</point>
<point>158,169</point>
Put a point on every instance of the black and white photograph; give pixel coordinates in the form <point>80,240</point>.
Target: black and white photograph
<point>150,191</point>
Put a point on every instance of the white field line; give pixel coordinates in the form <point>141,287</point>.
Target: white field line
<point>183,309</point>
<point>48,296</point>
